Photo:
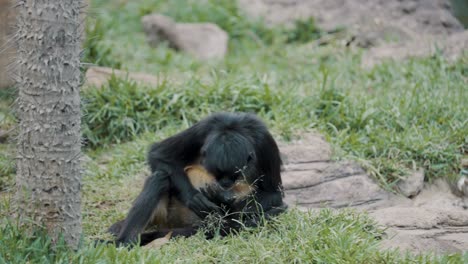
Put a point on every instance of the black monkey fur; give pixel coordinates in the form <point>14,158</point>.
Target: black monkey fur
<point>229,146</point>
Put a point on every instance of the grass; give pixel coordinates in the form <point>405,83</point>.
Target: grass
<point>122,110</point>
<point>295,237</point>
<point>7,125</point>
<point>391,118</point>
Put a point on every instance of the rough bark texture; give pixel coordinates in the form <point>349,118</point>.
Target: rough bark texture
<point>48,168</point>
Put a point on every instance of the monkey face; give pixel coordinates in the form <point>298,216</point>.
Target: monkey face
<point>230,158</point>
<point>234,192</point>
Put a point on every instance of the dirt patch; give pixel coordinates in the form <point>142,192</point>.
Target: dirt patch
<point>413,27</point>
<point>451,47</point>
<point>99,76</point>
<point>422,17</point>
<point>434,220</point>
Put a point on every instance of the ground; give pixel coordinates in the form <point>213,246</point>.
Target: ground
<point>389,29</point>
<point>341,122</point>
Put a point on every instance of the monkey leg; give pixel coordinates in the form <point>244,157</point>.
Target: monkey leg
<point>148,237</point>
<point>142,210</point>
<point>116,227</point>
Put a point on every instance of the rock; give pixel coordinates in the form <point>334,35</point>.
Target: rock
<point>311,148</point>
<point>335,185</point>
<point>371,35</point>
<point>413,184</point>
<point>285,12</point>
<point>464,163</point>
<point>420,217</point>
<point>428,241</point>
<point>439,195</point>
<point>390,29</point>
<point>159,28</point>
<point>436,220</point>
<point>422,229</point>
<point>312,180</point>
<point>98,76</point>
<point>419,17</point>
<point>201,40</point>
<point>405,28</point>
<point>451,47</point>
<point>462,185</point>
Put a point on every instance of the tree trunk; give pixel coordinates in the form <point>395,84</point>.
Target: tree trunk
<point>48,169</point>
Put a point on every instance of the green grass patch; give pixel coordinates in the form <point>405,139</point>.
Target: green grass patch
<point>7,165</point>
<point>392,118</point>
<point>324,237</point>
<point>7,113</point>
<point>121,110</point>
<point>7,126</point>
<point>108,44</point>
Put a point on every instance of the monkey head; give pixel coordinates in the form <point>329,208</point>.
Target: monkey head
<point>230,157</point>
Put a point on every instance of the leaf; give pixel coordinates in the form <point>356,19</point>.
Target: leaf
<point>157,243</point>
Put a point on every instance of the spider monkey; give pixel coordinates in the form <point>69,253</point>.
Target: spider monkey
<point>232,148</point>
<point>172,216</point>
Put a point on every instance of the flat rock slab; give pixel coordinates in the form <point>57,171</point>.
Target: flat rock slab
<point>435,220</point>
<point>311,179</point>
<point>333,184</point>
<point>98,76</point>
<point>424,229</point>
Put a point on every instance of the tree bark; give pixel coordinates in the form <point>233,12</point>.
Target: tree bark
<point>48,152</point>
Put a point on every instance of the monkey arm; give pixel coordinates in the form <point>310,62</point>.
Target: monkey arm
<point>173,154</point>
<point>218,195</point>
<point>269,166</point>
<point>185,191</point>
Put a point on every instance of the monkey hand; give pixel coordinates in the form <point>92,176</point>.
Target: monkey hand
<point>202,206</point>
